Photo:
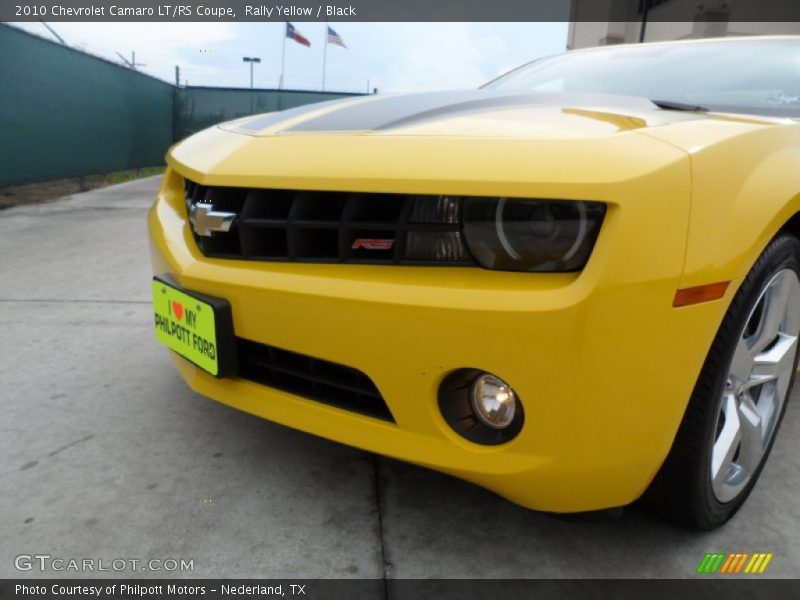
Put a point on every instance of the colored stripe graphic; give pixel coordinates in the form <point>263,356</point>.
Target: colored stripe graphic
<point>711,562</point>
<point>728,564</point>
<point>754,563</point>
<point>734,562</point>
<point>703,563</point>
<point>767,558</point>
<point>741,562</point>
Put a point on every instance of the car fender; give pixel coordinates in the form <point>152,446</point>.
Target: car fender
<point>745,188</point>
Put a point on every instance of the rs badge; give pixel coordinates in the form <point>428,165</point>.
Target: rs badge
<point>372,244</point>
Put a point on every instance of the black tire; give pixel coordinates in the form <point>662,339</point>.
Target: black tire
<point>682,491</point>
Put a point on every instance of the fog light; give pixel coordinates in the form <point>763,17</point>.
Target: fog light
<point>481,407</point>
<point>493,401</point>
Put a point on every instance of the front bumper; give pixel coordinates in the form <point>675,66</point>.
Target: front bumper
<point>602,363</point>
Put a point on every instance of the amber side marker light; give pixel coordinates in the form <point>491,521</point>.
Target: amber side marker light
<point>701,293</point>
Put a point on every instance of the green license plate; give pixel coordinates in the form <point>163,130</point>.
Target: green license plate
<point>196,326</point>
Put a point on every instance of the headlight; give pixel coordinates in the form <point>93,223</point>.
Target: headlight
<point>531,235</point>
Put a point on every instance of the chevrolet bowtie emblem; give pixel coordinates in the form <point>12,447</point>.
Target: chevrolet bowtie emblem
<point>205,220</point>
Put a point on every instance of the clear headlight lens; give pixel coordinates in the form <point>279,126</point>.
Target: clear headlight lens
<point>493,401</point>
<point>531,235</point>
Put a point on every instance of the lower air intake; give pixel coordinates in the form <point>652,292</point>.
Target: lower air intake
<point>313,378</point>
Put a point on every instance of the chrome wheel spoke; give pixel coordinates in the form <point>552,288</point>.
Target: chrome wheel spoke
<point>741,366</point>
<point>758,379</point>
<point>775,363</point>
<point>727,443</point>
<point>775,300</point>
<point>751,446</point>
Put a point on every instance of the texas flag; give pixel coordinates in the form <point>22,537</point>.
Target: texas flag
<point>292,34</point>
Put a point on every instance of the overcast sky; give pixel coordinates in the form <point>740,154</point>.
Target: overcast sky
<point>394,57</point>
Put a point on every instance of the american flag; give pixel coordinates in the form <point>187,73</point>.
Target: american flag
<point>335,38</point>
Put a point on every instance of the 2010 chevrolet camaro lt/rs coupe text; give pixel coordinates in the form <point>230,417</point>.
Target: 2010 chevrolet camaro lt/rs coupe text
<point>573,286</point>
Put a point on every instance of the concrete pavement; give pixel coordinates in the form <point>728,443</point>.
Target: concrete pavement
<point>106,454</point>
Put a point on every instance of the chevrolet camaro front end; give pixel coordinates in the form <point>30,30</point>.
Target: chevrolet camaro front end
<point>564,294</point>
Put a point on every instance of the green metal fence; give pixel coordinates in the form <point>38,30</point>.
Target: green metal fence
<point>65,113</point>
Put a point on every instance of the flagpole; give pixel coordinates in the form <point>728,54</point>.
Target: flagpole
<point>325,55</point>
<point>283,58</point>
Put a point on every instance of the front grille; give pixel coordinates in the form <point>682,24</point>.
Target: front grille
<point>313,378</point>
<point>310,226</point>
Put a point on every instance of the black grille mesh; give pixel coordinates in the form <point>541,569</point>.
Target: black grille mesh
<point>310,226</point>
<point>313,378</point>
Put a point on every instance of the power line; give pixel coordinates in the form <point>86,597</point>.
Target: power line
<point>132,62</point>
<point>53,31</point>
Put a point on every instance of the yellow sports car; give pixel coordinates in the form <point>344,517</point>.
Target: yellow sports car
<point>573,286</point>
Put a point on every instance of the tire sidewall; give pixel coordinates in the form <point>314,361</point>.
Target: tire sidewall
<point>782,253</point>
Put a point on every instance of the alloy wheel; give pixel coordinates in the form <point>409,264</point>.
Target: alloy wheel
<point>756,385</point>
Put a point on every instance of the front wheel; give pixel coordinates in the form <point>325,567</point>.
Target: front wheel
<point>738,402</point>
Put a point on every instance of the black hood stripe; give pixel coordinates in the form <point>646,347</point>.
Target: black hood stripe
<point>274,118</point>
<point>393,112</point>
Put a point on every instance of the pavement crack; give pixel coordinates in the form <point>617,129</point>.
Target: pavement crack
<point>379,511</point>
<point>33,463</point>
<point>70,445</point>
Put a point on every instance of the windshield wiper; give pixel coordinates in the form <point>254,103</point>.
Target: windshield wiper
<point>669,105</point>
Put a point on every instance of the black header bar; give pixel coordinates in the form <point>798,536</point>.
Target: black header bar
<point>400,10</point>
<point>706,587</point>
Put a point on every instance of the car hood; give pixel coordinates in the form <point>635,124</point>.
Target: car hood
<point>472,113</point>
<point>478,142</point>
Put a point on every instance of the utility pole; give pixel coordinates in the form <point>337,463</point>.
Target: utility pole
<point>252,60</point>
<point>645,10</point>
<point>324,54</point>
<point>283,61</point>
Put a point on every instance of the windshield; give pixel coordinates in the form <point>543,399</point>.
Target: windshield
<point>748,76</point>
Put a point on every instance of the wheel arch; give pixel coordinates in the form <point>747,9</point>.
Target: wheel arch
<point>734,219</point>
<point>792,226</point>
